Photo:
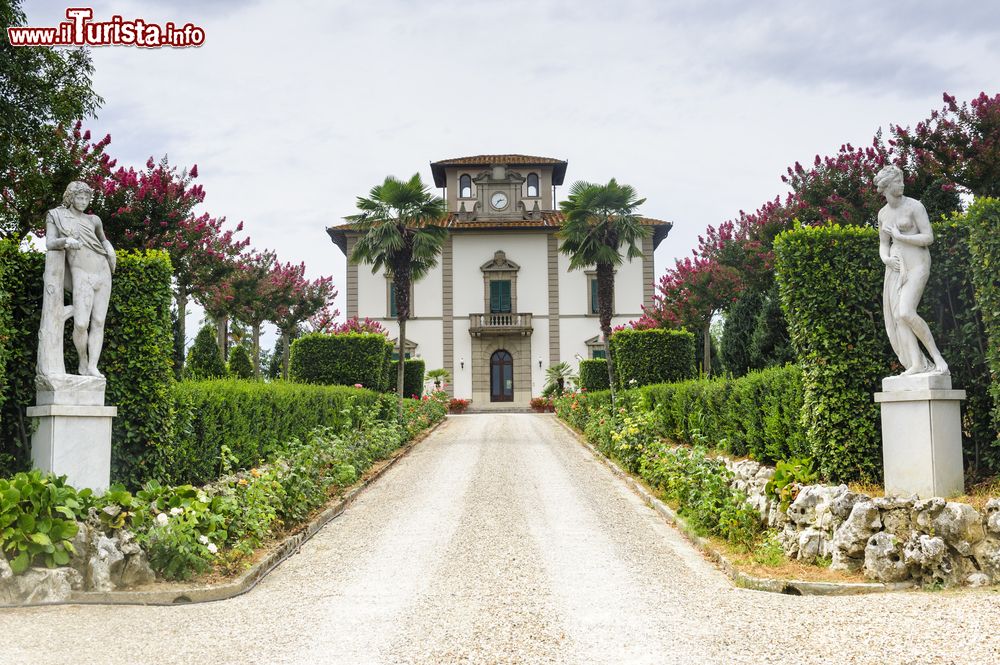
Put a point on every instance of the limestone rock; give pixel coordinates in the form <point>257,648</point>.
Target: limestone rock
<point>978,579</point>
<point>883,558</point>
<point>811,544</point>
<point>39,585</point>
<point>961,526</point>
<point>987,554</point>
<point>925,512</point>
<point>993,516</point>
<point>851,537</point>
<point>926,557</point>
<point>105,565</point>
<point>136,571</point>
<point>896,515</point>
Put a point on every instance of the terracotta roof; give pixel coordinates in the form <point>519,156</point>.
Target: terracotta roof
<point>558,173</point>
<point>549,219</point>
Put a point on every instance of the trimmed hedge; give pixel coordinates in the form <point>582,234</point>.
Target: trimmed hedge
<point>830,281</point>
<point>758,415</point>
<point>983,222</point>
<point>343,359</point>
<point>240,365</point>
<point>413,377</point>
<point>594,374</point>
<point>252,419</point>
<point>136,358</point>
<point>644,357</point>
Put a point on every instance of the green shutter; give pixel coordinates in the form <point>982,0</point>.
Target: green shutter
<point>594,309</point>
<point>499,296</point>
<point>599,353</point>
<point>392,299</point>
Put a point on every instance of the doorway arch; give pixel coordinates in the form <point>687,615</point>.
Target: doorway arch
<point>501,377</point>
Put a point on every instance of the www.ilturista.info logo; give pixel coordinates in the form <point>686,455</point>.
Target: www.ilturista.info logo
<point>80,30</point>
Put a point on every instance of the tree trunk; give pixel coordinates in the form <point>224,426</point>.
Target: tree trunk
<point>400,369</point>
<point>706,361</point>
<point>605,310</point>
<point>222,336</point>
<point>284,354</point>
<point>182,300</point>
<point>256,350</point>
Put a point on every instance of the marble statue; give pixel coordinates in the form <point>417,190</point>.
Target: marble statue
<point>79,259</point>
<point>904,237</point>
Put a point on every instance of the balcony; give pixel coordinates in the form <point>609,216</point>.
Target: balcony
<point>500,324</point>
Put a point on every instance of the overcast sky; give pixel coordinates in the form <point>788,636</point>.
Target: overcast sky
<point>293,109</point>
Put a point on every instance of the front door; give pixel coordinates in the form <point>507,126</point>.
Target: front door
<point>501,377</point>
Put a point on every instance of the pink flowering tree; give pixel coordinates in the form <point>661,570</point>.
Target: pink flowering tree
<point>36,176</point>
<point>257,293</point>
<point>298,299</point>
<point>356,325</point>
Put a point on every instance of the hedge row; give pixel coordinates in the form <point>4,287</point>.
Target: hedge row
<point>136,358</point>
<point>251,419</point>
<point>594,374</point>
<point>830,281</point>
<point>984,242</point>
<point>342,360</point>
<point>644,357</point>
<point>413,377</point>
<point>757,415</point>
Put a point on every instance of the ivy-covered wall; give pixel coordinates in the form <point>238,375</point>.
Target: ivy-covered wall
<point>830,282</point>
<point>136,358</point>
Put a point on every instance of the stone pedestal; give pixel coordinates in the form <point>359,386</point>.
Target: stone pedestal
<point>922,436</point>
<point>74,430</point>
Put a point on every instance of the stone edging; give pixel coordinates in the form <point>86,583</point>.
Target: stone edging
<point>739,578</point>
<point>248,580</point>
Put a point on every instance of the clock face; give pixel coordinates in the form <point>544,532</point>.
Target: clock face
<point>498,201</point>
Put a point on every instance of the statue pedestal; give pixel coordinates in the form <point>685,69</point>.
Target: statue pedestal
<point>922,436</point>
<point>73,438</point>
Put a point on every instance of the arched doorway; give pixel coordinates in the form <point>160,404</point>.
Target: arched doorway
<point>501,377</point>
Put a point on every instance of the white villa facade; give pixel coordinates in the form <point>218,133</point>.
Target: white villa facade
<point>502,304</point>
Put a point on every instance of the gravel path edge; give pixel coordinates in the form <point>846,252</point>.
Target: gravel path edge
<point>739,578</point>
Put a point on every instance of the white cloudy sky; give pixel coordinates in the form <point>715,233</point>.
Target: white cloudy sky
<point>293,109</point>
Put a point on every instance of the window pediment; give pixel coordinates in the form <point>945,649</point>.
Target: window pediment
<point>500,263</point>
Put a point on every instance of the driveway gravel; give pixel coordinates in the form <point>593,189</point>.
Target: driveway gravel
<point>500,539</point>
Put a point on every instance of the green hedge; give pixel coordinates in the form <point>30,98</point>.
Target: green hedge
<point>983,221</point>
<point>594,374</point>
<point>252,419</point>
<point>830,281</point>
<point>8,266</point>
<point>343,360</point>
<point>136,358</point>
<point>757,415</point>
<point>413,377</point>
<point>644,357</point>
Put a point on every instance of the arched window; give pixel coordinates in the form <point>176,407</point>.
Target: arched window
<point>465,187</point>
<point>532,185</point>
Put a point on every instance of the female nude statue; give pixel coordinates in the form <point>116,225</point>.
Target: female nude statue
<point>75,240</point>
<point>904,236</point>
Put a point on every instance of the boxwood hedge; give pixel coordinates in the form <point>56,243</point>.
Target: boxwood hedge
<point>643,357</point>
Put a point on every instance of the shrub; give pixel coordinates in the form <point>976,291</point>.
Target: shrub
<point>136,358</point>
<point>38,516</point>
<point>542,405</point>
<point>413,377</point>
<point>342,360</point>
<point>251,419</point>
<point>983,221</point>
<point>240,366</point>
<point>830,280</point>
<point>643,357</point>
<point>594,374</point>
<point>204,360</point>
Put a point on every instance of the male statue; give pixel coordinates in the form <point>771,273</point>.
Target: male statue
<point>75,240</point>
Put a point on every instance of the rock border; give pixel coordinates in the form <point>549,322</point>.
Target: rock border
<point>739,578</point>
<point>206,593</point>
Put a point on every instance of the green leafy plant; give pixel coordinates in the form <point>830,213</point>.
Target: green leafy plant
<point>38,519</point>
<point>439,376</point>
<point>768,551</point>
<point>790,476</point>
<point>557,377</point>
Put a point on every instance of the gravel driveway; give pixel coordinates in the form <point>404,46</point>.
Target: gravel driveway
<point>501,540</point>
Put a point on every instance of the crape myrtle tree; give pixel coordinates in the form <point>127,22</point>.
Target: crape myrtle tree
<point>297,300</point>
<point>44,93</point>
<point>599,221</point>
<point>154,209</point>
<point>256,293</point>
<point>400,234</point>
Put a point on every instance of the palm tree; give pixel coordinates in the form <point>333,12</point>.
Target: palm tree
<point>557,375</point>
<point>399,233</point>
<point>600,220</point>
